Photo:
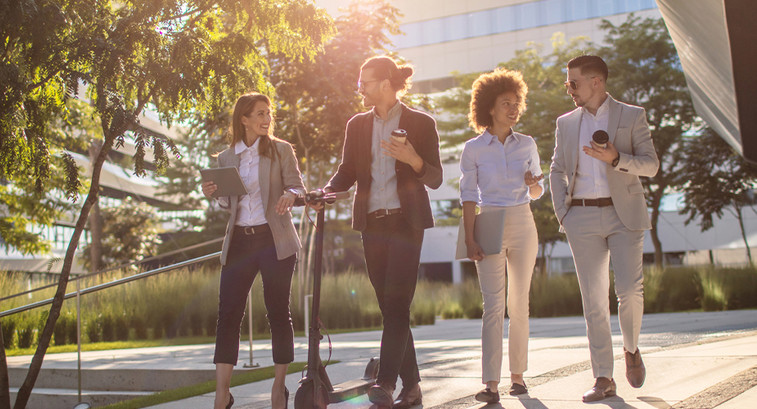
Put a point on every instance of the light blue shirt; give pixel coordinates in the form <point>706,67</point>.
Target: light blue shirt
<point>383,192</point>
<point>492,172</point>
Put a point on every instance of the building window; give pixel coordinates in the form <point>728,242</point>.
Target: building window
<point>511,18</point>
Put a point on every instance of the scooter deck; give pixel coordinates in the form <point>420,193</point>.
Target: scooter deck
<point>350,389</point>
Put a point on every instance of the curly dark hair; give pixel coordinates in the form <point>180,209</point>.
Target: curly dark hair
<point>487,88</point>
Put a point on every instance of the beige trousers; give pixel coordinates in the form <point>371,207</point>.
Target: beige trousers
<point>506,277</point>
<point>597,236</point>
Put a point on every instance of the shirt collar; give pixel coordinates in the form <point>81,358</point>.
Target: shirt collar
<point>602,110</point>
<point>393,111</point>
<point>241,146</point>
<point>489,137</point>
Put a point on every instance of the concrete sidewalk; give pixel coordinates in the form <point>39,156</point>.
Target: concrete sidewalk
<point>694,360</point>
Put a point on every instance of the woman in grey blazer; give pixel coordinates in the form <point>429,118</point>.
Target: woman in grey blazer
<point>260,237</point>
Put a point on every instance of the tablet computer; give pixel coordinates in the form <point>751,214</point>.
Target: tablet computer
<point>488,229</point>
<point>227,179</point>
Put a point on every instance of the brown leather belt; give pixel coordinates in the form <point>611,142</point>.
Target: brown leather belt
<point>250,230</point>
<point>601,202</point>
<point>377,214</point>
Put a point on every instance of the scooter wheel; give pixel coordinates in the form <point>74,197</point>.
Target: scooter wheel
<point>304,399</point>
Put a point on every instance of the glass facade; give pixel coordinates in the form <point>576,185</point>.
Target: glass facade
<point>512,18</point>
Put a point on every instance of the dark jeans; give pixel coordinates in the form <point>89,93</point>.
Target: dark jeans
<point>392,255</point>
<point>247,255</point>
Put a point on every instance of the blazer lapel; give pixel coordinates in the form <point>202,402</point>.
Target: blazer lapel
<point>366,140</point>
<point>575,132</point>
<point>613,121</point>
<point>264,176</point>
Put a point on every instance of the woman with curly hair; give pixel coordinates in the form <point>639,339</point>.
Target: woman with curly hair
<point>500,170</point>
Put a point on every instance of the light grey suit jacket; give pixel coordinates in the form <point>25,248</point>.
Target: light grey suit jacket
<point>629,132</point>
<point>276,174</point>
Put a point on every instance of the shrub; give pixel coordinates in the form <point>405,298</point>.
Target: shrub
<point>8,326</point>
<point>555,296</point>
<point>121,325</point>
<point>94,329</point>
<point>60,331</point>
<point>26,334</point>
<point>679,289</point>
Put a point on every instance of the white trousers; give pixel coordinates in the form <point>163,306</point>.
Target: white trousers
<point>597,236</point>
<point>507,277</point>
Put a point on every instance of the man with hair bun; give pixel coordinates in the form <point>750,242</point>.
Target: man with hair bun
<point>599,202</point>
<point>391,209</point>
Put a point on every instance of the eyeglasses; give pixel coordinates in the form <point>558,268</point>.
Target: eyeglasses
<point>361,84</point>
<point>572,83</point>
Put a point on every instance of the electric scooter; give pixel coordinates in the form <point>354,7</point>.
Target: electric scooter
<point>315,390</point>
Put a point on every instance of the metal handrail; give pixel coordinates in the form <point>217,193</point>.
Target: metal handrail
<point>118,267</point>
<point>112,283</point>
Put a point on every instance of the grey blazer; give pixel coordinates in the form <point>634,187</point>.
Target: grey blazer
<point>629,132</point>
<point>276,174</point>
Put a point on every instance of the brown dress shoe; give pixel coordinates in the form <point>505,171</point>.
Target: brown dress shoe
<point>603,388</point>
<point>409,397</point>
<point>381,395</point>
<point>635,370</point>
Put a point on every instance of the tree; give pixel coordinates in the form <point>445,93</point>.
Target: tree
<point>130,233</point>
<point>645,70</point>
<point>715,178</point>
<point>175,57</point>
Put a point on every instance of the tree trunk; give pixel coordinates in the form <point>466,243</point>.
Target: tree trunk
<point>5,388</point>
<point>95,220</point>
<point>656,199</point>
<point>740,217</point>
<point>47,332</point>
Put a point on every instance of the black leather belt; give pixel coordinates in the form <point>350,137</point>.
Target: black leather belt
<point>601,202</point>
<point>250,230</point>
<point>377,214</point>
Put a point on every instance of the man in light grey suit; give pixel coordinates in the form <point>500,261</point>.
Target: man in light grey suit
<point>599,202</point>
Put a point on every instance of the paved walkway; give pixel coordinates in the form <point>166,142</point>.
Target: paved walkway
<point>694,360</point>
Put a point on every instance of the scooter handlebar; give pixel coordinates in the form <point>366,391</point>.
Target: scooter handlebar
<point>319,196</point>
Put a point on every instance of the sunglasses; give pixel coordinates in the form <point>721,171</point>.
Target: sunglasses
<point>572,83</point>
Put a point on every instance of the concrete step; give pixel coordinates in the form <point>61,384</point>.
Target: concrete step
<point>113,379</point>
<point>51,398</point>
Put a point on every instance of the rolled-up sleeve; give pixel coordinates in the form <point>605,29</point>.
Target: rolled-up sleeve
<point>469,179</point>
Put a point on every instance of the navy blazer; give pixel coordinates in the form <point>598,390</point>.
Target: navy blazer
<point>411,187</point>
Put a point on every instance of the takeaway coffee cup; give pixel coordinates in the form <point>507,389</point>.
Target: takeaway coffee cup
<point>600,138</point>
<point>399,135</point>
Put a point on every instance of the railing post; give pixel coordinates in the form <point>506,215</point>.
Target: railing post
<point>81,405</point>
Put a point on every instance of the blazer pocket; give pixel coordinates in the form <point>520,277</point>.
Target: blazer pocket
<point>636,189</point>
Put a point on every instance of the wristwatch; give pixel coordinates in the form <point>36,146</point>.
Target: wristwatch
<point>616,160</point>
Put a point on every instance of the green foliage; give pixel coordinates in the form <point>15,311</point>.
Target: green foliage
<point>130,233</point>
<point>183,303</point>
<point>179,58</point>
<point>645,70</point>
<point>714,178</point>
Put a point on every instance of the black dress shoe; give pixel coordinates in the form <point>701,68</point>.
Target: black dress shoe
<point>231,401</point>
<point>409,397</point>
<point>487,395</point>
<point>517,389</point>
<point>381,395</point>
<point>603,388</point>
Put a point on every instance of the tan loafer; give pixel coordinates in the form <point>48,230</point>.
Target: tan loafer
<point>635,370</point>
<point>603,388</point>
<point>381,395</point>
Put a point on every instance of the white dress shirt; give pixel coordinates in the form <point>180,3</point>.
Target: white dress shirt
<point>591,175</point>
<point>493,172</point>
<point>251,211</point>
<point>383,191</point>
